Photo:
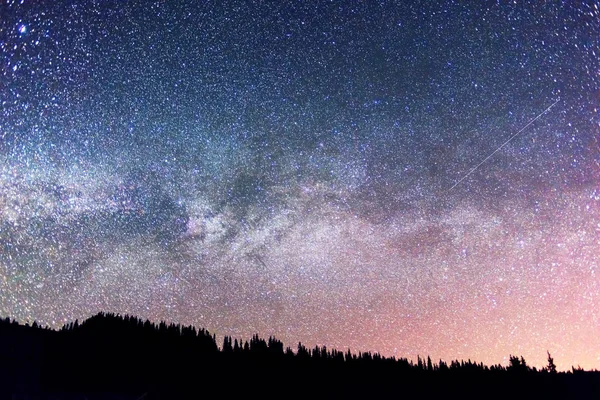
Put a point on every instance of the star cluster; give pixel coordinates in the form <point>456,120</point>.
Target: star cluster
<point>306,170</point>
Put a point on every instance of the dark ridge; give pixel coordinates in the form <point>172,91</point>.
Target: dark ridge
<point>110,356</point>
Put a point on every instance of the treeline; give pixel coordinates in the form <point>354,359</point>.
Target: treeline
<point>123,357</point>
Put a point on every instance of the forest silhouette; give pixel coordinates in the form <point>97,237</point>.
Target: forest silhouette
<point>110,356</point>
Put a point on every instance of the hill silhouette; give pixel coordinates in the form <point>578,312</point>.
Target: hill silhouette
<point>110,356</point>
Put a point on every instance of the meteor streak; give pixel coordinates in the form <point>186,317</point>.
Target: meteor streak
<point>503,144</point>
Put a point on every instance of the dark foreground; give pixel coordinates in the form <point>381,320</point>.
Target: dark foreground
<point>113,357</point>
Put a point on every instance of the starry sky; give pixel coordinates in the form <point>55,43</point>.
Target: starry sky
<point>313,170</point>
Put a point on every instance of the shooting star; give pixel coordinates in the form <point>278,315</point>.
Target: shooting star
<point>503,144</point>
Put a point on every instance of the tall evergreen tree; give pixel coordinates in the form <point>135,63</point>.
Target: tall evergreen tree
<point>551,366</point>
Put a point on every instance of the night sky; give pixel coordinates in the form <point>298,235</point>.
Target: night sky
<point>313,170</point>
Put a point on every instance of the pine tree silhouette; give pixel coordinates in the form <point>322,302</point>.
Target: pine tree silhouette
<point>121,355</point>
<point>551,366</point>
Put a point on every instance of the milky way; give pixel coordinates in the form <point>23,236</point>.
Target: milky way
<point>294,169</point>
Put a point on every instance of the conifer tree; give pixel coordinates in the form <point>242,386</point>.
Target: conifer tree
<point>551,366</point>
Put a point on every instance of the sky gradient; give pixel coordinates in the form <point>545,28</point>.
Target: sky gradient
<point>306,170</point>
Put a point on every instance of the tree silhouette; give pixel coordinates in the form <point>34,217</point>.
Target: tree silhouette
<point>551,366</point>
<point>124,357</point>
<point>518,365</point>
<point>227,346</point>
